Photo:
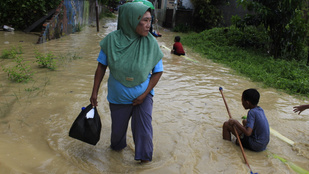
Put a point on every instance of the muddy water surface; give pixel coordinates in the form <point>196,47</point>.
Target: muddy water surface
<point>187,117</point>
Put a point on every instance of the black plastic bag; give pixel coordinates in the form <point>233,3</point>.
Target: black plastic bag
<point>87,129</point>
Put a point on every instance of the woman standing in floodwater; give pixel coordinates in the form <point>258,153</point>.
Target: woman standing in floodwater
<point>131,53</point>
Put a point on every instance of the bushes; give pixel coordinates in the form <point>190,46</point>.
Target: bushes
<point>46,61</point>
<point>251,38</point>
<point>182,28</point>
<point>13,12</point>
<point>227,46</point>
<point>10,54</point>
<point>207,14</point>
<point>284,22</point>
<point>22,72</point>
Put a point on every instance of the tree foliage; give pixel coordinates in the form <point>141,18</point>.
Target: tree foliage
<point>21,14</point>
<point>110,3</point>
<point>207,14</point>
<point>284,22</point>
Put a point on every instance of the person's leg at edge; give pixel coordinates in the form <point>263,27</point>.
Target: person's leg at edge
<point>227,129</point>
<point>142,130</point>
<point>120,115</point>
<point>226,132</point>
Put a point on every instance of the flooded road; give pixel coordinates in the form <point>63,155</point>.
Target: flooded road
<point>187,117</point>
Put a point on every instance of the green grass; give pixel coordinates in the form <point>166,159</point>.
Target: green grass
<point>106,14</point>
<point>46,61</point>
<point>21,72</point>
<point>10,54</point>
<point>248,56</point>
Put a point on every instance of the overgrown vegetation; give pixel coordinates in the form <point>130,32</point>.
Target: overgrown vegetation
<point>22,72</point>
<point>106,13</point>
<point>10,54</point>
<point>207,14</point>
<point>7,54</point>
<point>248,56</point>
<point>270,45</point>
<point>13,12</point>
<point>16,12</point>
<point>110,3</point>
<point>284,23</point>
<point>182,28</point>
<point>46,61</point>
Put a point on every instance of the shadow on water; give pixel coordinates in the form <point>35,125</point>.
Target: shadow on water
<point>187,117</point>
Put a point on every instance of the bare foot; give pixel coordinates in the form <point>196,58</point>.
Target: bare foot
<point>144,161</point>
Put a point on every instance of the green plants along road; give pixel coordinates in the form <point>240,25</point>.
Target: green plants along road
<point>13,12</point>
<point>46,61</point>
<point>21,72</point>
<point>225,45</point>
<point>10,54</point>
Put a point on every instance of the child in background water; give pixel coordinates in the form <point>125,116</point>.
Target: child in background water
<point>254,133</point>
<point>177,47</point>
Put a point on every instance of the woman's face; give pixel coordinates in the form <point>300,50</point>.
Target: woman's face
<point>144,25</point>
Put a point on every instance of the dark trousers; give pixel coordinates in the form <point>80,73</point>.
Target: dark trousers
<point>140,124</point>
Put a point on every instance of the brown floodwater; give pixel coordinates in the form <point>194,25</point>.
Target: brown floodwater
<point>188,114</point>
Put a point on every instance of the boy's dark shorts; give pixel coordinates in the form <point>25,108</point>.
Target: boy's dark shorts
<point>248,143</point>
<point>245,142</point>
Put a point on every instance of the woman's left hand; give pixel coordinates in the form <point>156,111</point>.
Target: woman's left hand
<point>152,83</point>
<point>139,100</point>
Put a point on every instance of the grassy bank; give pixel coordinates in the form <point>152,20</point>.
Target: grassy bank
<point>221,45</point>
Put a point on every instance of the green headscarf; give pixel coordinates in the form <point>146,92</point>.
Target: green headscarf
<point>130,56</point>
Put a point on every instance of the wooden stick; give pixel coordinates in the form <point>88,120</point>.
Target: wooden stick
<point>238,139</point>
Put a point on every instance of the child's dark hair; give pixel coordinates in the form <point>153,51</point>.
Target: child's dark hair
<point>177,39</point>
<point>251,95</point>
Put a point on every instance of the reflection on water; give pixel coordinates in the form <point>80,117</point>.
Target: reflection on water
<point>187,117</point>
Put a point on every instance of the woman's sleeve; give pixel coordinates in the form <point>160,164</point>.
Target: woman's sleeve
<point>102,58</point>
<point>158,67</point>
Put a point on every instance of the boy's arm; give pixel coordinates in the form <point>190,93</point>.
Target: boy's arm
<point>300,108</point>
<point>172,50</point>
<point>246,130</point>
